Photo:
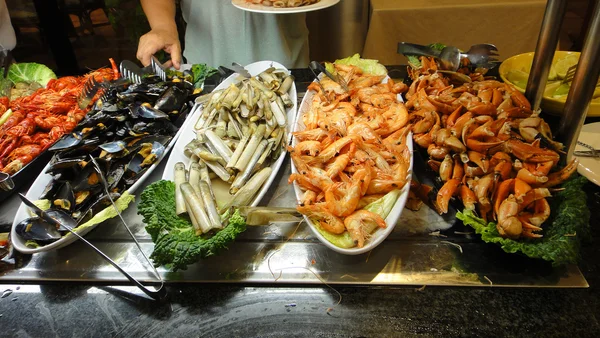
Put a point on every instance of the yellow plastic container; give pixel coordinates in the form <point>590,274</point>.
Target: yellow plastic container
<point>515,70</point>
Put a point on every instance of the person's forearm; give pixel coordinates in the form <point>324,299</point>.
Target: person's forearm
<point>160,14</point>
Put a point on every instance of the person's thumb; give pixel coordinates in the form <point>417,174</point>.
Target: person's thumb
<point>175,51</point>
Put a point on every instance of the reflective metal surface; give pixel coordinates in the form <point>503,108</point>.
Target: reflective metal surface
<point>291,254</point>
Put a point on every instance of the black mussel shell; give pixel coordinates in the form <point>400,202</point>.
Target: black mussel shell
<point>153,127</point>
<point>113,147</point>
<point>64,198</point>
<point>135,143</point>
<point>147,154</point>
<point>91,120</point>
<point>132,97</point>
<point>51,188</point>
<point>123,128</point>
<point>60,165</point>
<point>67,142</point>
<point>172,100</point>
<point>38,230</point>
<point>89,147</point>
<point>89,177</point>
<point>102,203</point>
<point>183,113</point>
<point>116,172</point>
<point>147,112</point>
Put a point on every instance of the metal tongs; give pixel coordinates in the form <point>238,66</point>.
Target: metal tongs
<point>592,152</point>
<point>315,66</point>
<point>159,294</point>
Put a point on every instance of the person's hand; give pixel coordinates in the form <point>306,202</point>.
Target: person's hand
<point>159,39</point>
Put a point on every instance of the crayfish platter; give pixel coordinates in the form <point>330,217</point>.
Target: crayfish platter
<point>392,218</point>
<point>44,179</point>
<point>188,134</point>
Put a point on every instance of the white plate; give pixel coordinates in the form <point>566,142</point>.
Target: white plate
<point>221,188</point>
<point>250,7</point>
<point>589,166</point>
<point>392,218</point>
<point>36,189</point>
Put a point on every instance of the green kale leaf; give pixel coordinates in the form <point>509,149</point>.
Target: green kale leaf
<point>176,244</point>
<point>562,236</point>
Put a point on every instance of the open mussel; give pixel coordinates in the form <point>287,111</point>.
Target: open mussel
<point>64,198</point>
<point>146,111</point>
<point>132,97</point>
<point>155,127</point>
<point>40,231</point>
<point>89,178</point>
<point>87,211</point>
<point>68,141</point>
<point>173,99</point>
<point>66,166</point>
<point>148,154</point>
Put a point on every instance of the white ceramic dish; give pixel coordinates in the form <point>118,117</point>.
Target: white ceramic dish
<point>589,166</point>
<point>221,188</point>
<point>392,218</point>
<point>36,189</point>
<point>250,7</point>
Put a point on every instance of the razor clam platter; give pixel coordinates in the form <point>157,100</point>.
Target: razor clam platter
<point>220,188</point>
<point>394,215</point>
<point>38,186</point>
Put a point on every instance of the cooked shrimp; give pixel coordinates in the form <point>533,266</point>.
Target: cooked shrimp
<point>312,148</point>
<point>346,204</point>
<point>326,219</point>
<point>360,225</point>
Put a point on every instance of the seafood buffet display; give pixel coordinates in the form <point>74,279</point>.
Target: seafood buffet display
<point>108,152</point>
<point>490,149</point>
<point>38,120</point>
<point>350,152</point>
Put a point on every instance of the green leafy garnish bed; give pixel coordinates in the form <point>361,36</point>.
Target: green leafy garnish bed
<point>562,236</point>
<point>176,244</point>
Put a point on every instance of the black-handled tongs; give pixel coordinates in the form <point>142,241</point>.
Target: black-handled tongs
<point>317,67</point>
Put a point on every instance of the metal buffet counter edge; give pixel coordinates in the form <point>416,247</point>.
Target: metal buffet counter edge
<point>451,255</point>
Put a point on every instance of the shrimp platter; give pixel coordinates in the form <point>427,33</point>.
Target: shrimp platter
<point>352,158</point>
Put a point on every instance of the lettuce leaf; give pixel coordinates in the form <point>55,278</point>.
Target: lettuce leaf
<point>368,66</point>
<point>30,72</point>
<point>562,237</point>
<point>176,244</point>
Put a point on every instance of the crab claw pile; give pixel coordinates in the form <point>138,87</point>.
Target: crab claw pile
<point>488,146</point>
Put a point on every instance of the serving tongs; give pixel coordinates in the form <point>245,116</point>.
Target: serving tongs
<point>592,152</point>
<point>317,67</point>
<point>159,294</point>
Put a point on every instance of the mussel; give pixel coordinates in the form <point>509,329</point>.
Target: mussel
<point>67,166</point>
<point>85,213</point>
<point>68,141</point>
<point>89,176</point>
<point>146,111</point>
<point>40,231</point>
<point>64,197</point>
<point>172,100</point>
